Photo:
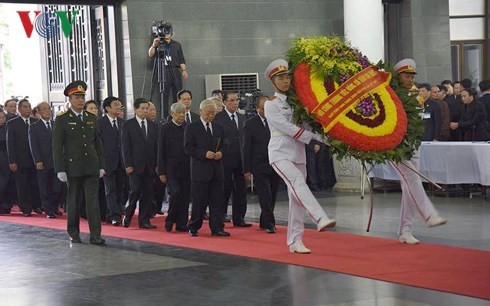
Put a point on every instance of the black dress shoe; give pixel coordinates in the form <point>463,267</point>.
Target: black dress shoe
<point>116,222</point>
<point>193,233</point>
<point>271,230</point>
<point>97,240</point>
<point>126,221</point>
<point>167,227</point>
<point>27,214</point>
<point>75,240</point>
<point>205,216</point>
<point>148,226</point>
<point>58,213</point>
<point>221,234</point>
<point>242,224</point>
<point>226,219</point>
<point>51,216</point>
<point>5,212</point>
<point>38,211</point>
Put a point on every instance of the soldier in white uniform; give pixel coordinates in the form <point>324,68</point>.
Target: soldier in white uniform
<point>413,193</point>
<point>288,158</point>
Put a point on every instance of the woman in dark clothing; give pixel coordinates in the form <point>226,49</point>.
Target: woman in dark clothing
<point>473,120</point>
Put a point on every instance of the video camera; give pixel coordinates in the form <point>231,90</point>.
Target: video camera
<point>248,102</point>
<point>160,29</point>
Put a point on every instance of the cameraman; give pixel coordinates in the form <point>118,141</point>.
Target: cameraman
<point>171,51</point>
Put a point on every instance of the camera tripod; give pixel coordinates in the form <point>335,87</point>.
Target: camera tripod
<point>160,77</point>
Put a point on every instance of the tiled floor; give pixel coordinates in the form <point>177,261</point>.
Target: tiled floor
<point>39,267</point>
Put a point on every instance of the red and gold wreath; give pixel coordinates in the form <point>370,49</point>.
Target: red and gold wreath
<point>352,100</point>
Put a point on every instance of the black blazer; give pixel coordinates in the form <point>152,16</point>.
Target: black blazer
<point>18,148</point>
<point>172,160</point>
<point>485,100</point>
<point>41,142</point>
<point>234,137</point>
<point>255,142</point>
<point>111,142</point>
<point>432,125</point>
<point>139,152</point>
<point>474,117</point>
<point>196,143</point>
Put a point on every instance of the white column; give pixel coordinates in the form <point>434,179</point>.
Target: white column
<point>363,27</point>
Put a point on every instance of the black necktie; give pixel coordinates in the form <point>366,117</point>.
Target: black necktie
<point>187,118</point>
<point>27,122</point>
<point>266,124</point>
<point>48,126</point>
<point>233,120</point>
<point>80,117</point>
<point>143,129</point>
<point>208,129</point>
<point>114,125</point>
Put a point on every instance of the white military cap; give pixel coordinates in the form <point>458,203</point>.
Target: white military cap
<point>406,65</point>
<point>278,66</point>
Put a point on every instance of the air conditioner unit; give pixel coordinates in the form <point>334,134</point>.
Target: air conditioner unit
<point>239,82</point>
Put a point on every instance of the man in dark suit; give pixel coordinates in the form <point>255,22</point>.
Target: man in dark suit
<point>174,169</point>
<point>431,114</point>
<point>20,159</point>
<point>110,127</point>
<point>139,143</point>
<point>485,96</point>
<point>232,122</point>
<point>40,140</point>
<point>203,142</point>
<point>5,174</point>
<point>78,160</point>
<point>256,162</point>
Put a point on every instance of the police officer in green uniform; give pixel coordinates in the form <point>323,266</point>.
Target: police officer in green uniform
<point>78,160</point>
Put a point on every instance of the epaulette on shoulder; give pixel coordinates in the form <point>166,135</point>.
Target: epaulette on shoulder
<point>61,113</point>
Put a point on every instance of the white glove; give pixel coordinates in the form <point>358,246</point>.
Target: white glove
<point>321,138</point>
<point>101,173</point>
<point>62,176</point>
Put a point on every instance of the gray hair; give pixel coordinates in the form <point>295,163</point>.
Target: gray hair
<point>207,102</point>
<point>177,107</point>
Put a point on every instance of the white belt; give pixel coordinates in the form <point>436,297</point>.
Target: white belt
<point>277,134</point>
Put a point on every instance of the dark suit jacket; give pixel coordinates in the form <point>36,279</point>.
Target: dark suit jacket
<point>196,143</point>
<point>255,142</point>
<point>77,149</point>
<point>432,125</point>
<point>456,107</point>
<point>172,160</point>
<point>474,117</point>
<point>41,142</point>
<point>18,148</point>
<point>234,137</point>
<point>485,100</point>
<point>111,142</point>
<point>139,152</point>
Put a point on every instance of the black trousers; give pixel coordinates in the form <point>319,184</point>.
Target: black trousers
<point>234,185</point>
<point>173,84</point>
<point>158,195</point>
<point>27,189</point>
<point>203,193</point>
<point>50,190</point>
<point>113,184</point>
<point>266,186</point>
<point>141,189</point>
<point>179,195</point>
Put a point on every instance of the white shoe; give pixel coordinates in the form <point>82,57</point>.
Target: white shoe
<point>324,223</point>
<point>299,247</point>
<point>435,220</point>
<point>408,238</point>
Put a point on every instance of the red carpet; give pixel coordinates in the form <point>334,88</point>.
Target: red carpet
<point>443,268</point>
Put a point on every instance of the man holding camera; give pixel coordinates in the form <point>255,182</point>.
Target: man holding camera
<point>175,68</point>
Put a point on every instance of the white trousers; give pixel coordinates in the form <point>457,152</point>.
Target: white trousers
<point>413,195</point>
<point>301,199</point>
